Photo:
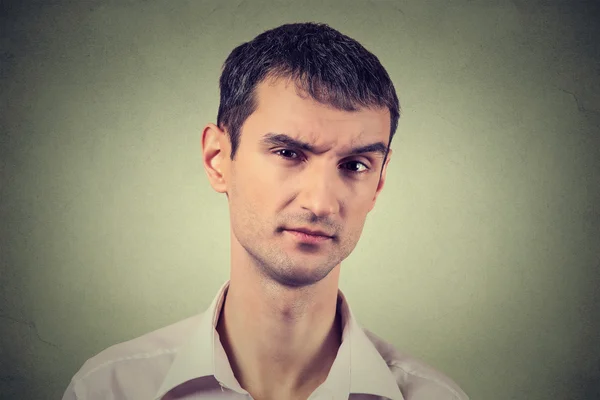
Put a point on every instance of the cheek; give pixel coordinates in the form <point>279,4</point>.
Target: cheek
<point>253,195</point>
<point>259,189</point>
<point>263,181</point>
<point>361,204</point>
<point>357,216</point>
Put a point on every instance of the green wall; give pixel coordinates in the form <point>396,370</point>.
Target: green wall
<point>481,256</point>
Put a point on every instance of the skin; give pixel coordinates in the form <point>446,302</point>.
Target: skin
<point>280,326</point>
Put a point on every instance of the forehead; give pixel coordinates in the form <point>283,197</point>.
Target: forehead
<point>282,107</point>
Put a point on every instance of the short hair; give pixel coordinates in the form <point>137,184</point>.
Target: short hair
<point>331,67</point>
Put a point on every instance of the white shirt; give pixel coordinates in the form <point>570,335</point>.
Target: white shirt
<point>186,360</point>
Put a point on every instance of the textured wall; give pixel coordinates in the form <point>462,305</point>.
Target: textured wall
<point>481,256</point>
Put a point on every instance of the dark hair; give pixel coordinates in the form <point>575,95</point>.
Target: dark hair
<point>332,68</point>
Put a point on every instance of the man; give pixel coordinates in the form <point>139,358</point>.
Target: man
<point>301,150</point>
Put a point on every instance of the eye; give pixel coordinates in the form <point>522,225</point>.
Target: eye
<point>282,153</point>
<point>279,152</point>
<point>359,163</point>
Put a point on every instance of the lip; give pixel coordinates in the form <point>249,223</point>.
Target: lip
<point>310,232</point>
<point>307,238</point>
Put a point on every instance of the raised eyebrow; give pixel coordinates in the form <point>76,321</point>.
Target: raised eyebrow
<point>281,139</point>
<point>379,148</point>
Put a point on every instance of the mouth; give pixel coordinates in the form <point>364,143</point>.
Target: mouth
<point>307,237</point>
<point>311,232</point>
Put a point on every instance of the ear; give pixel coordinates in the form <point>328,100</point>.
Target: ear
<point>215,156</point>
<point>382,180</point>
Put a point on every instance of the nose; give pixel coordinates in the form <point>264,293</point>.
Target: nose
<point>320,192</point>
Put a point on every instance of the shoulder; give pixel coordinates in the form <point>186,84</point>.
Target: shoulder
<point>132,368</point>
<point>416,379</point>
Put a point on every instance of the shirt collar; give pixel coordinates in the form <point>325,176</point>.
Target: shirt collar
<point>357,368</point>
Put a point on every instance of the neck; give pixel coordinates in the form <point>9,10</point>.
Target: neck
<point>280,341</point>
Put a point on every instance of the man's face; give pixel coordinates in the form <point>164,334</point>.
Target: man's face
<point>273,187</point>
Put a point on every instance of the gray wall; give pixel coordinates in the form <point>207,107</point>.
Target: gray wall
<point>481,256</point>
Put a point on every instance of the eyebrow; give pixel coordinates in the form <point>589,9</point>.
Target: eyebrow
<point>281,139</point>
